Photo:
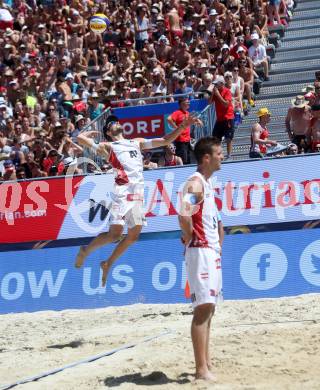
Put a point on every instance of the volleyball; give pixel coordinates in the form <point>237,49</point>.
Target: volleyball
<point>98,23</point>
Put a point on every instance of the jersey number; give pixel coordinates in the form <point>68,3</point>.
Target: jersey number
<point>133,153</point>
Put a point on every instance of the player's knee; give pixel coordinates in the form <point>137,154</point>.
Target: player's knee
<point>203,313</point>
<point>132,238</point>
<point>116,237</point>
<point>116,233</point>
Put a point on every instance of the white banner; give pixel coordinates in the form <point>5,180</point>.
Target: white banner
<point>246,193</point>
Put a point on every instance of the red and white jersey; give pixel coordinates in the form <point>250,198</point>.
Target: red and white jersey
<point>127,162</point>
<point>205,220</point>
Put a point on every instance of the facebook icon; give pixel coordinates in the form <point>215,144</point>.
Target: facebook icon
<point>263,266</point>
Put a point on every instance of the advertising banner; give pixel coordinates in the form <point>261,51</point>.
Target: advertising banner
<point>152,271</point>
<point>150,120</point>
<point>275,191</point>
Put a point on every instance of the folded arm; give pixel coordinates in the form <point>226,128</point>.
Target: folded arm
<point>87,139</point>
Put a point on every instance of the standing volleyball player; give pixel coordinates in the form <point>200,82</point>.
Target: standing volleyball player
<point>127,196</point>
<point>202,233</point>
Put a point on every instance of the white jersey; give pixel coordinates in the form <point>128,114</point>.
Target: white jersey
<point>127,162</point>
<point>127,195</point>
<point>205,220</point>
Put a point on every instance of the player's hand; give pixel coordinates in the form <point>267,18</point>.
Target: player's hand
<point>186,239</point>
<point>199,122</point>
<point>192,119</point>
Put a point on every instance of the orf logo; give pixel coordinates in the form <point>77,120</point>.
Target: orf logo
<point>263,266</point>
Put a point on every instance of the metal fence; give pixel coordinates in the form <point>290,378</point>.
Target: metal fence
<point>208,118</point>
<point>97,125</point>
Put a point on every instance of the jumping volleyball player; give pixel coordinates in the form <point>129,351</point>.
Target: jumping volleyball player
<point>127,198</point>
<point>202,233</point>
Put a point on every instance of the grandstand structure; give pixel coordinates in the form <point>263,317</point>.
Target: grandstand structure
<point>293,68</point>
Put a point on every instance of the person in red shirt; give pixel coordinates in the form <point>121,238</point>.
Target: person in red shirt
<point>234,50</point>
<point>224,127</point>
<point>182,143</point>
<point>52,162</point>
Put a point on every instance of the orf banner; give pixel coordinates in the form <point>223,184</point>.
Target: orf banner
<point>150,120</point>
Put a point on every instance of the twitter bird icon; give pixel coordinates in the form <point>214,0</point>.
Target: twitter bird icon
<point>310,263</point>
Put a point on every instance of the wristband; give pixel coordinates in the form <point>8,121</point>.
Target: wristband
<point>147,144</point>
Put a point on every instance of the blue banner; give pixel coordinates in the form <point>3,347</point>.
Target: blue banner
<point>257,265</point>
<point>157,109</point>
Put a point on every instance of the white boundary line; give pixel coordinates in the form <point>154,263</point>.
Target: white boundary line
<point>86,360</point>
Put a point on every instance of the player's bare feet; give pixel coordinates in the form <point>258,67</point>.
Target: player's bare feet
<point>206,376</point>
<point>105,269</point>
<point>81,256</point>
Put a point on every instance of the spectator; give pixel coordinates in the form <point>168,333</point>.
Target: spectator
<point>235,91</point>
<point>246,73</point>
<point>224,127</point>
<point>183,88</point>
<point>147,163</point>
<point>141,26</point>
<point>258,55</point>
<point>260,135</point>
<point>314,130</point>
<point>52,65</point>
<point>95,108</point>
<point>182,143</point>
<point>169,158</point>
<point>292,149</point>
<point>53,164</point>
<point>298,121</point>
<point>273,12</point>
<point>317,92</point>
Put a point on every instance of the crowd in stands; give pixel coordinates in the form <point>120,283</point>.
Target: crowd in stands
<point>56,75</point>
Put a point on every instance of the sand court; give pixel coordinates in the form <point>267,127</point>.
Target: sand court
<point>256,344</point>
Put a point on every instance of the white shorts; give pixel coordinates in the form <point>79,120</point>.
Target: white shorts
<point>203,266</point>
<point>127,210</point>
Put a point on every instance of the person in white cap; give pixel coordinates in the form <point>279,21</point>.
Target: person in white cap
<point>258,55</point>
<point>126,208</point>
<point>224,127</point>
<point>226,61</point>
<point>298,121</point>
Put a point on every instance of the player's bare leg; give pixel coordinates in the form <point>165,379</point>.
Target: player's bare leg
<point>130,238</point>
<point>209,365</point>
<point>199,333</point>
<point>114,234</point>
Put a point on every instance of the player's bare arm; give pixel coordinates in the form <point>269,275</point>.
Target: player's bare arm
<point>86,138</point>
<point>168,138</point>
<point>191,197</point>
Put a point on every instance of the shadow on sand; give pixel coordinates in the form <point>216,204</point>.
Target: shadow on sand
<point>155,378</point>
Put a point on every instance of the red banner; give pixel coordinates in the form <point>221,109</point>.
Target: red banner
<point>34,210</point>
